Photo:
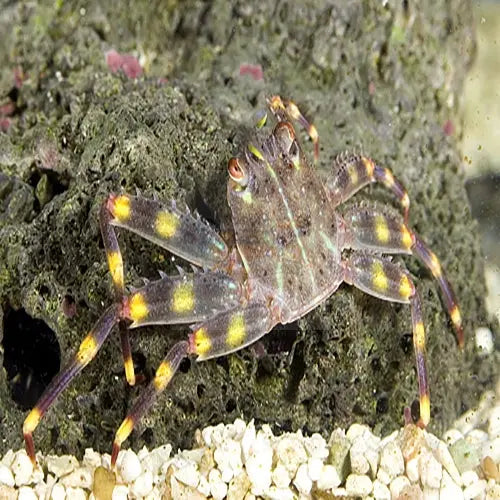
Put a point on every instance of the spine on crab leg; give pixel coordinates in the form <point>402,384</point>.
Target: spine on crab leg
<point>366,229</point>
<point>180,233</point>
<point>115,265</point>
<point>86,352</point>
<point>387,281</point>
<point>351,172</point>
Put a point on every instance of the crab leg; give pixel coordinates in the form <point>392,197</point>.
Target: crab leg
<point>387,281</point>
<point>222,334</point>
<point>353,172</point>
<point>115,265</point>
<point>188,298</point>
<point>168,227</point>
<point>85,354</point>
<point>285,110</point>
<point>369,230</point>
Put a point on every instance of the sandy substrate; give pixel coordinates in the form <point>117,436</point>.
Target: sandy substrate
<point>238,461</point>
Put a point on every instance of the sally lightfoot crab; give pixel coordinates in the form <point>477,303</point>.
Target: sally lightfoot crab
<point>287,258</point>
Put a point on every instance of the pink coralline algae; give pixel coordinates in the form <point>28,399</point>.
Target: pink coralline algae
<point>125,62</point>
<point>254,70</point>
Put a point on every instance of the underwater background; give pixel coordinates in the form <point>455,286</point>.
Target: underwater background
<point>157,96</point>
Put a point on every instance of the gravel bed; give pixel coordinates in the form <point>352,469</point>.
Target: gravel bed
<point>237,461</point>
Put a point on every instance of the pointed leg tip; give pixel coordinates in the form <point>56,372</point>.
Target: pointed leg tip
<point>114,454</point>
<point>30,448</point>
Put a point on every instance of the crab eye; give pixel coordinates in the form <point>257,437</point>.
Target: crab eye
<point>285,134</point>
<point>237,173</point>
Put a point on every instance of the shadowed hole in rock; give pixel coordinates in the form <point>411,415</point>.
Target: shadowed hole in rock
<point>297,371</point>
<point>32,356</point>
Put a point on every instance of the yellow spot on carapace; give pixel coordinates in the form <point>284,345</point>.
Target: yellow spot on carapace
<point>183,298</point>
<point>163,376</point>
<point>121,208</point>
<point>115,264</point>
<point>255,152</point>
<point>87,349</point>
<point>247,197</point>
<point>435,265</point>
<point>352,171</point>
<point>138,307</point>
<point>419,336</point>
<point>369,166</point>
<point>406,238</point>
<point>382,229</point>
<point>124,430</point>
<point>425,409</point>
<point>236,331</point>
<point>262,121</point>
<point>379,278</point>
<point>388,178</point>
<point>202,342</point>
<point>129,371</point>
<point>31,421</point>
<point>166,224</point>
<point>456,318</point>
<point>405,287</point>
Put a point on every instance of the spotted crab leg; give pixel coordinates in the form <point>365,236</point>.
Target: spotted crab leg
<point>353,172</point>
<point>182,299</point>
<point>285,110</point>
<point>85,354</point>
<point>115,265</point>
<point>383,279</point>
<point>222,334</point>
<point>368,230</point>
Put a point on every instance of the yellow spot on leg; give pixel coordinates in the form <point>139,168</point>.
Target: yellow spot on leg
<point>138,307</point>
<point>87,349</point>
<point>202,342</point>
<point>313,133</point>
<point>425,410</point>
<point>405,287</point>
<point>293,110</point>
<point>163,376</point>
<point>455,316</point>
<point>236,331</point>
<point>434,265</point>
<point>405,200</point>
<point>124,430</point>
<point>369,166</point>
<point>115,264</point>
<point>419,336</point>
<point>31,421</point>
<point>183,298</point>
<point>381,229</point>
<point>379,278</point>
<point>353,174</point>
<point>406,238</point>
<point>388,178</point>
<point>129,371</point>
<point>166,224</point>
<point>121,208</point>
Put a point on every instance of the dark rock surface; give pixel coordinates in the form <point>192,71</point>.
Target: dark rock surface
<point>379,79</point>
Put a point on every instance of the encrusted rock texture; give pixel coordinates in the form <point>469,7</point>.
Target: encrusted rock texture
<point>380,79</point>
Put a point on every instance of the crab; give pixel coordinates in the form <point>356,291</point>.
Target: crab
<point>287,257</point>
